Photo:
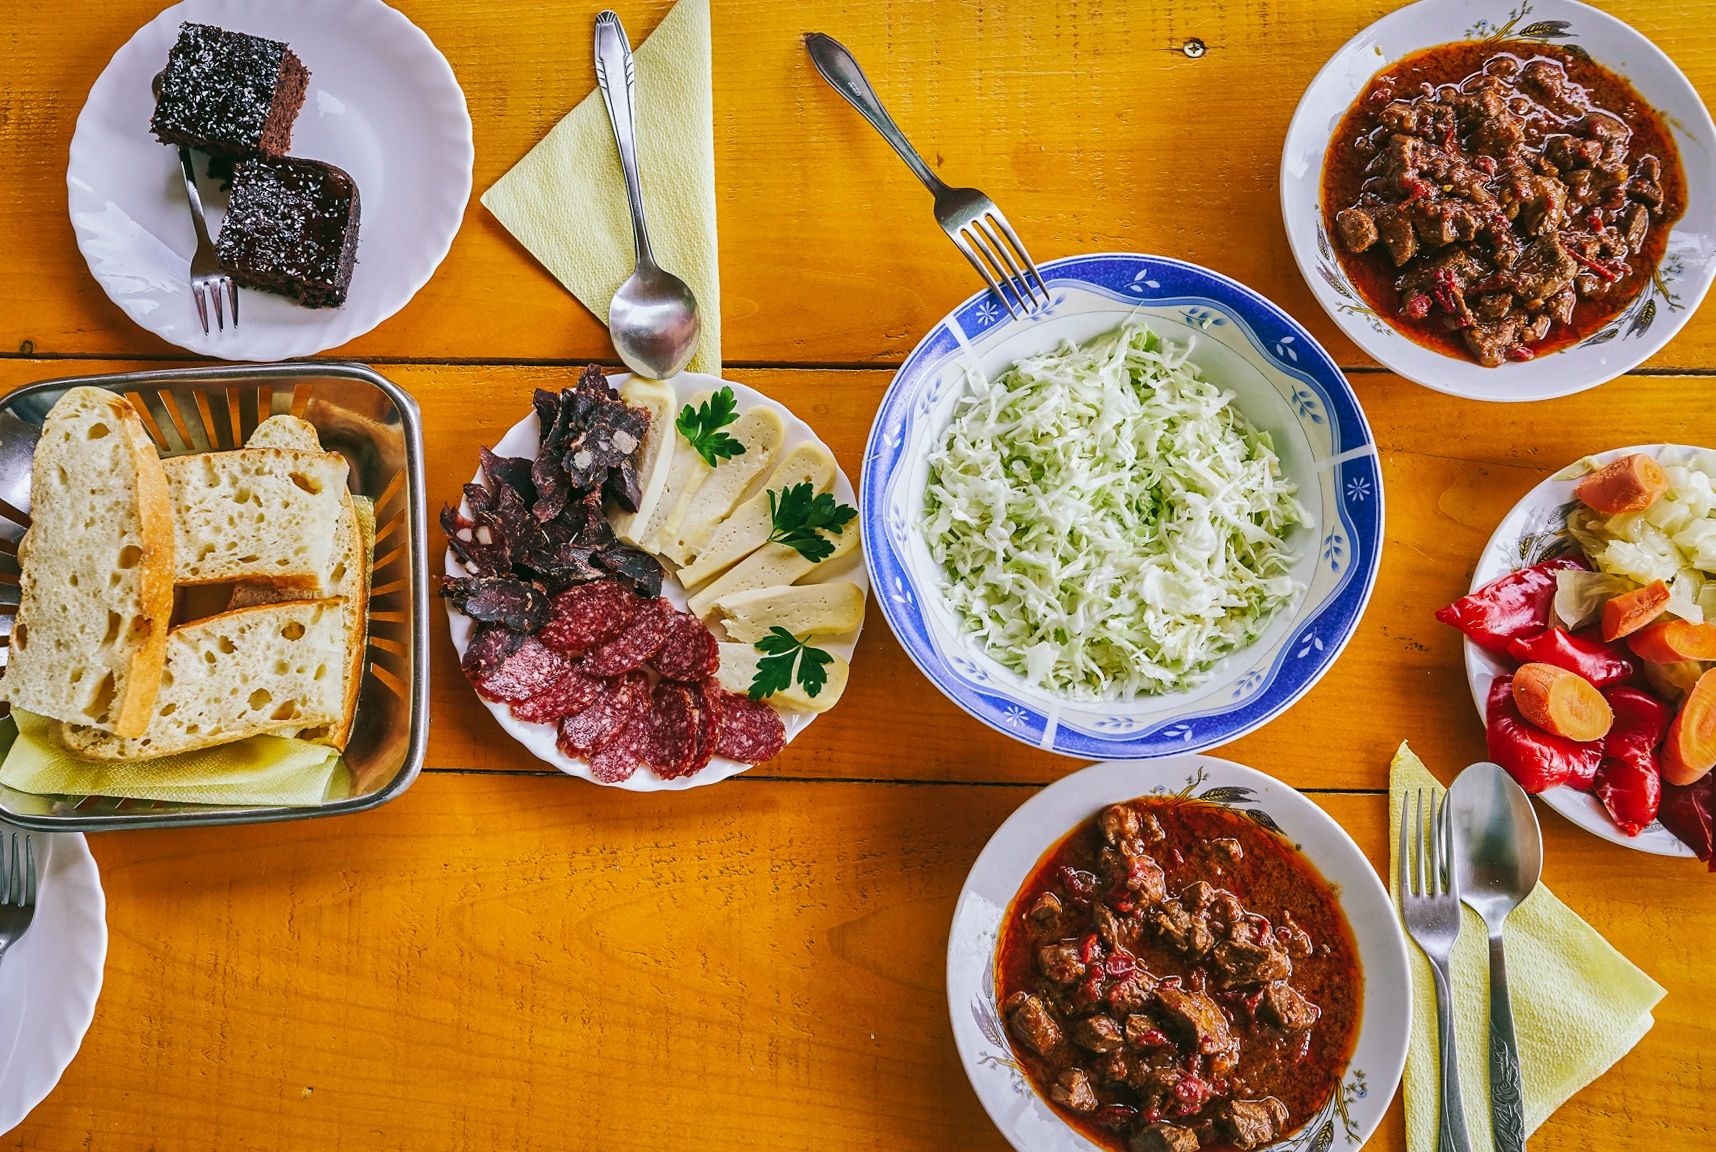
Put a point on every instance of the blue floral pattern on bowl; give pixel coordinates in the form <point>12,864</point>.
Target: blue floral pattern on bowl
<point>1283,381</point>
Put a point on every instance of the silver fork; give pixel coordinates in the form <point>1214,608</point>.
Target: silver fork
<point>1430,905</point>
<point>17,888</point>
<point>209,280</point>
<point>970,219</point>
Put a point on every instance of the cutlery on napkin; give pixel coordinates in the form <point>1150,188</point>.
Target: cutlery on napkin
<point>1578,1004</point>
<point>565,200</point>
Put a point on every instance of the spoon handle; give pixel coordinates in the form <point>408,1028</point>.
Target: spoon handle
<point>615,77</point>
<point>1507,1102</point>
<point>841,71</point>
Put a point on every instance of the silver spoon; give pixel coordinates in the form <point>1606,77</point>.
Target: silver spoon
<point>653,317</point>
<point>1498,852</point>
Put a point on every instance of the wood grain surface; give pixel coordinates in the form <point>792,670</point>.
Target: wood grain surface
<point>508,959</point>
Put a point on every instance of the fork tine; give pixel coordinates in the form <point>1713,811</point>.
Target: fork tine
<point>219,304</point>
<point>29,871</point>
<point>202,306</point>
<point>991,252</point>
<point>964,246</point>
<point>1405,887</point>
<point>232,298</point>
<point>5,878</point>
<point>1420,867</point>
<point>1439,817</point>
<point>1015,275</point>
<point>1449,878</point>
<point>15,881</point>
<point>1030,264</point>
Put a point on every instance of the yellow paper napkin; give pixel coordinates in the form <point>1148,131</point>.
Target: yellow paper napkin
<point>566,200</point>
<point>1578,1005</point>
<point>263,770</point>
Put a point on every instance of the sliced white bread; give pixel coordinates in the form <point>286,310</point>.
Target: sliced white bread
<point>257,514</point>
<point>748,528</point>
<point>739,668</point>
<point>655,460</point>
<point>769,565</point>
<point>761,431</point>
<point>285,432</point>
<point>267,668</point>
<point>828,609</point>
<point>349,580</point>
<point>96,592</point>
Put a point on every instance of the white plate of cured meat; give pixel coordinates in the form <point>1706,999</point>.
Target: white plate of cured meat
<point>630,747</point>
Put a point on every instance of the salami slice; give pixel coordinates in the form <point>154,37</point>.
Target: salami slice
<point>571,694</point>
<point>530,670</point>
<point>624,703</point>
<point>586,616</point>
<point>675,729</point>
<point>490,644</point>
<point>619,758</point>
<point>689,653</point>
<point>750,730</point>
<point>632,648</point>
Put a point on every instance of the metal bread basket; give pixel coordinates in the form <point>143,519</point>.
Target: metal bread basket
<point>366,418</point>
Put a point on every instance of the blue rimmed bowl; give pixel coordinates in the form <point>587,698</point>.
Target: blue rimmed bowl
<point>1282,381</point>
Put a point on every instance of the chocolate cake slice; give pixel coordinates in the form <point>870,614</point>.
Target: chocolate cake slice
<point>229,94</point>
<point>291,227</point>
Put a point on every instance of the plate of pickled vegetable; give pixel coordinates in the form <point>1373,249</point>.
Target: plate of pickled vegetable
<point>1591,645</point>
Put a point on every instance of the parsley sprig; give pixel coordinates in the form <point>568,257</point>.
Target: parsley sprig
<point>800,517</point>
<point>702,427</point>
<point>786,658</point>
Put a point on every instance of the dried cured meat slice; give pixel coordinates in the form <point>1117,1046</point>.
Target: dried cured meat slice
<point>624,703</point>
<point>510,471</point>
<point>586,616</point>
<point>639,569</point>
<point>488,646</point>
<point>750,731</point>
<point>641,640</point>
<point>675,728</point>
<point>530,670</point>
<point>569,695</point>
<point>498,600</point>
<point>690,652</point>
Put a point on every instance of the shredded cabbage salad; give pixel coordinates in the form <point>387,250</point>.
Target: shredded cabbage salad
<point>1108,523</point>
<point>1674,540</point>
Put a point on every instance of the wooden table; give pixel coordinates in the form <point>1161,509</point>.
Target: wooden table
<point>506,958</point>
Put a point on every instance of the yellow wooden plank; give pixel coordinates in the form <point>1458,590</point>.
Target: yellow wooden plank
<point>531,963</point>
<point>1085,120</point>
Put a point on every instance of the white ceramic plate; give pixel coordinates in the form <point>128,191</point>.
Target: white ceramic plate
<point>1643,328</point>
<point>1534,530</point>
<point>1024,1117</point>
<point>1282,381</point>
<point>54,975</point>
<point>522,440</point>
<point>382,103</point>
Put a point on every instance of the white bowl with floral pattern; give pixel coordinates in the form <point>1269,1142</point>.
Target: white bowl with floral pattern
<point>1030,1123</point>
<point>1642,328</point>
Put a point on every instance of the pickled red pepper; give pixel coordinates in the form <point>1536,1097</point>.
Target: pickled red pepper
<point>1537,759</point>
<point>1602,663</point>
<point>1629,783</point>
<point>1516,605</point>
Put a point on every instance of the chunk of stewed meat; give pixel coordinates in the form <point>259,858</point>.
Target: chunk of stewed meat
<point>1032,1024</point>
<point>1046,912</point>
<point>1114,930</point>
<point>1143,1032</point>
<point>1119,822</point>
<point>1195,1016</point>
<point>1252,1123</point>
<point>1074,1091</point>
<point>1164,1138</point>
<point>1097,1034</point>
<point>1132,994</point>
<point>1284,1007</point>
<point>1241,962</point>
<point>1063,962</point>
<point>1188,932</point>
<point>1357,228</point>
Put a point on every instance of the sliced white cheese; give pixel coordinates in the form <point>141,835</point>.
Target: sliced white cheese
<point>761,432</point>
<point>655,461</point>
<point>769,565</point>
<point>748,528</point>
<point>802,609</point>
<point>685,474</point>
<point>739,668</point>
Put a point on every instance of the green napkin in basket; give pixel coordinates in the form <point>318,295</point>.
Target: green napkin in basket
<point>1578,1005</point>
<point>566,200</point>
<point>263,770</point>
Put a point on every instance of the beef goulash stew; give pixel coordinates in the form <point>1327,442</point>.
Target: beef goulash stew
<point>1175,978</point>
<point>1500,199</point>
